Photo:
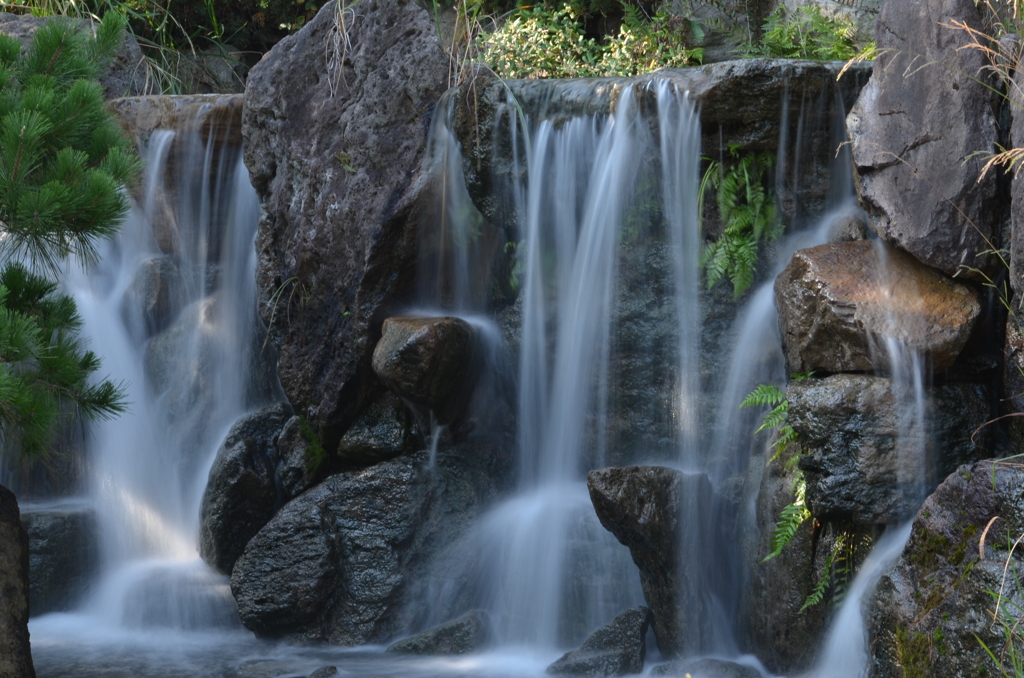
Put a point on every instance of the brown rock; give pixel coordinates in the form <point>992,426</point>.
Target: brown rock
<point>15,654</point>
<point>837,300</point>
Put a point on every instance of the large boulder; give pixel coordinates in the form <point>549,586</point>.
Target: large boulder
<point>334,145</point>
<point>643,506</point>
<point>868,458</point>
<point>616,649</point>
<point>468,633</point>
<point>64,555</point>
<point>241,493</point>
<point>935,608</point>
<point>840,301</point>
<point>920,131</point>
<point>348,561</point>
<point>15,653</point>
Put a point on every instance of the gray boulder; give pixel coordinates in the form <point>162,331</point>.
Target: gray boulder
<point>933,610</point>
<point>297,468</point>
<point>15,653</point>
<point>468,633</point>
<point>334,151</point>
<point>866,458</point>
<point>384,430</point>
<point>643,506</point>
<point>838,302</point>
<point>241,495</point>
<point>917,130</point>
<point>706,668</point>
<point>616,649</point>
<point>63,555</point>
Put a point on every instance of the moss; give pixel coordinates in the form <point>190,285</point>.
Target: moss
<point>914,653</point>
<point>316,456</point>
<point>929,549</point>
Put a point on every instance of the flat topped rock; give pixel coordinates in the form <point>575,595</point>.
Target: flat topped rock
<point>204,113</point>
<point>838,301</point>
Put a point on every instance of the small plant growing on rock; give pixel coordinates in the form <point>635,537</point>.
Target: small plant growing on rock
<point>804,34</point>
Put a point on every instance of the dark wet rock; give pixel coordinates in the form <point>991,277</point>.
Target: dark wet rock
<point>848,227</point>
<point>468,633</point>
<point>297,468</point>
<point>866,459</point>
<point>616,649</point>
<point>382,431</point>
<point>932,609</point>
<point>335,156</point>
<point>1013,380</point>
<point>324,672</point>
<point>1015,241</point>
<point>706,668</point>
<point>917,130</point>
<point>128,74</point>
<point>240,495</point>
<point>837,302</point>
<point>431,362</point>
<point>643,506</point>
<point>348,561</point>
<point>154,294</point>
<point>63,555</point>
<point>15,653</point>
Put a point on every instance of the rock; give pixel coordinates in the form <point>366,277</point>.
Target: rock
<point>240,495</point>
<point>324,672</point>
<point>1016,240</point>
<point>934,606</point>
<point>15,653</point>
<point>706,668</point>
<point>128,74</point>
<point>917,130</point>
<point>335,157</point>
<point>837,303</point>
<point>348,561</point>
<point>468,633</point>
<point>382,431</point>
<point>616,649</point>
<point>866,459</point>
<point>216,115</point>
<point>154,295</point>
<point>1013,380</point>
<point>642,506</point>
<point>297,469</point>
<point>848,227</point>
<point>63,555</point>
<point>428,361</point>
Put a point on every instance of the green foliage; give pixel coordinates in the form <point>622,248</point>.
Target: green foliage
<point>804,34</point>
<point>747,208</point>
<point>316,455</point>
<point>790,519</point>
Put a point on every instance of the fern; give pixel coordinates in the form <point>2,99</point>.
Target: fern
<point>818,592</point>
<point>790,520</point>
<point>765,394</point>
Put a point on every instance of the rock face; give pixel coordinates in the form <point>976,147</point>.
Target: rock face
<point>914,129</point>
<point>15,654</point>
<point>384,430</point>
<point>468,633</point>
<point>837,303</point>
<point>347,560</point>
<point>63,555</point>
<point>428,361</point>
<point>241,495</point>
<point>867,460</point>
<point>616,649</point>
<point>933,607</point>
<point>334,152</point>
<point>642,507</point>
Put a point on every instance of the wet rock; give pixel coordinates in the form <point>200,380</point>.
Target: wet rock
<point>838,302</point>
<point>240,495</point>
<point>298,469</point>
<point>642,506</point>
<point>867,460</point>
<point>383,431</point>
<point>348,561</point>
<point>468,633</point>
<point>154,295</point>
<point>334,153</point>
<point>428,361</point>
<point>128,74</point>
<point>916,130</point>
<point>1016,239</point>
<point>324,672</point>
<point>932,609</point>
<point>616,649</point>
<point>1013,380</point>
<point>63,555</point>
<point>848,227</point>
<point>706,668</point>
<point>208,115</point>
<point>15,654</point>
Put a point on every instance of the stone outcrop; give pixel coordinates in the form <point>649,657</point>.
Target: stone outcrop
<point>297,470</point>
<point>839,302</point>
<point>428,361</point>
<point>241,494</point>
<point>209,115</point>
<point>932,609</point>
<point>866,458</point>
<point>616,649</point>
<point>468,633</point>
<point>155,294</point>
<point>384,430</point>
<point>347,561</point>
<point>920,130</point>
<point>334,150</point>
<point>643,506</point>
<point>15,653</point>
<point>64,555</point>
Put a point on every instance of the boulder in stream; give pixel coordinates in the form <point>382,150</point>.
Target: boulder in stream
<point>64,555</point>
<point>15,653</point>
<point>468,633</point>
<point>616,649</point>
<point>705,668</point>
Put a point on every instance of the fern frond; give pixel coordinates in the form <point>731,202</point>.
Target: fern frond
<point>765,394</point>
<point>790,520</point>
